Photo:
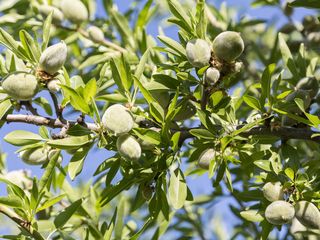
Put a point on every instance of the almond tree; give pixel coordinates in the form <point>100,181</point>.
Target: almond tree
<point>236,99</point>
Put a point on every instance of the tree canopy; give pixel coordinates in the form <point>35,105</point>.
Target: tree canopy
<point>228,96</point>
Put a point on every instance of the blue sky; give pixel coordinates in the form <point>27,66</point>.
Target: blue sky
<point>97,156</point>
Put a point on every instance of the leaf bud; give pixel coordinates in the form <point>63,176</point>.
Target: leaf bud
<point>95,34</point>
<point>21,86</point>
<point>198,52</point>
<point>128,147</point>
<point>53,58</point>
<point>74,10</point>
<point>228,46</point>
<point>279,212</point>
<point>117,119</point>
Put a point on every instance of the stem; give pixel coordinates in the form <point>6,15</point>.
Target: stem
<point>22,223</point>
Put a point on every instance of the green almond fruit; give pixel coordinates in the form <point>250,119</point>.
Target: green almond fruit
<point>18,177</point>
<point>272,191</point>
<point>74,10</point>
<point>54,85</point>
<point>308,214</point>
<point>95,34</point>
<point>117,119</point>
<point>310,84</point>
<point>21,86</point>
<point>198,52</point>
<point>45,10</point>
<point>128,147</point>
<point>35,156</point>
<point>279,212</point>
<point>228,46</point>
<point>212,75</point>
<point>206,157</point>
<point>53,58</point>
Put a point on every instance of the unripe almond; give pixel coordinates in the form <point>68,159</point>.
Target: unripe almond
<point>272,191</point>
<point>54,85</point>
<point>21,86</point>
<point>53,58</point>
<point>212,75</point>
<point>35,156</point>
<point>308,214</point>
<point>128,147</point>
<point>117,119</point>
<point>74,10</point>
<point>206,157</point>
<point>279,212</point>
<point>198,52</point>
<point>309,84</point>
<point>45,10</point>
<point>95,34</point>
<point>228,46</point>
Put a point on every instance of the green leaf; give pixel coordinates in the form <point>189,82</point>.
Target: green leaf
<point>202,133</point>
<point>179,12</point>
<point>90,90</point>
<point>252,102</point>
<point>76,163</point>
<point>177,189</point>
<point>63,217</point>
<point>252,215</point>
<point>70,142</point>
<point>121,73</point>
<point>141,66</point>
<point>46,31</point>
<point>30,46</point>
<point>21,138</point>
<point>178,49</point>
<point>50,202</point>
<point>290,173</point>
<point>201,19</point>
<point>11,201</point>
<point>44,103</point>
<point>5,106</point>
<point>76,100</point>
<point>144,227</point>
<point>305,3</point>
<point>266,83</point>
<point>45,179</point>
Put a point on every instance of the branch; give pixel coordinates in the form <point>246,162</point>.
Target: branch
<point>284,133</point>
<point>44,121</point>
<point>22,223</point>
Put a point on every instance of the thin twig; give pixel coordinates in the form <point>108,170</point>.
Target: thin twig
<point>22,223</point>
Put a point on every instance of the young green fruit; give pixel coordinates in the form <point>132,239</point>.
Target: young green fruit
<point>198,52</point>
<point>272,191</point>
<point>228,46</point>
<point>128,147</point>
<point>54,85</point>
<point>308,214</point>
<point>206,157</point>
<point>117,119</point>
<point>35,156</point>
<point>187,111</point>
<point>53,58</point>
<point>212,75</point>
<point>309,84</point>
<point>95,34</point>
<point>45,10</point>
<point>21,86</point>
<point>279,212</point>
<point>74,10</point>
